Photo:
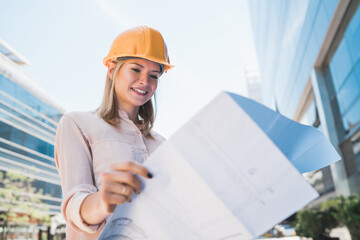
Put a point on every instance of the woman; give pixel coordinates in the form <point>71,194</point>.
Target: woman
<point>99,154</point>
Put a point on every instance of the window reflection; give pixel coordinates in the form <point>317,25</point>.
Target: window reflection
<point>345,72</point>
<point>19,137</point>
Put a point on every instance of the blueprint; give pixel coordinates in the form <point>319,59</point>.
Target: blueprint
<point>226,174</point>
<point>306,147</point>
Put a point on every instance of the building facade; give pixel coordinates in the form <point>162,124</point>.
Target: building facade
<point>308,53</point>
<point>253,84</point>
<point>28,120</point>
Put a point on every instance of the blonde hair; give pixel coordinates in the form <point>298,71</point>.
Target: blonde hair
<point>108,110</point>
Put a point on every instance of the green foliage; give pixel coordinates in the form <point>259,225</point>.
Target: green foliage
<point>340,211</point>
<point>314,223</point>
<point>20,201</point>
<point>346,210</point>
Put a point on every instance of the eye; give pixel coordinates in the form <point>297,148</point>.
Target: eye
<point>136,70</point>
<point>154,77</point>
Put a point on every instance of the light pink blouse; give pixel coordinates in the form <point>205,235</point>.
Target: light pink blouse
<point>85,147</point>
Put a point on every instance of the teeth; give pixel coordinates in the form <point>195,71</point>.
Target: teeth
<point>139,91</point>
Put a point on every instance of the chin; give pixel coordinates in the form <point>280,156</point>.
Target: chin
<point>139,104</point>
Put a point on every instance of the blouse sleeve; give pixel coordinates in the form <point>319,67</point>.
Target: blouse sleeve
<point>74,162</point>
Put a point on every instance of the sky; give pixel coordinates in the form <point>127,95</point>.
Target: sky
<point>211,45</point>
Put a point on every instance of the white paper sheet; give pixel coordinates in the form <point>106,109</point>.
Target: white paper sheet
<point>219,177</point>
<point>177,204</point>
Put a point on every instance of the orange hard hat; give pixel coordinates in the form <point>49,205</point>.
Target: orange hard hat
<point>141,42</point>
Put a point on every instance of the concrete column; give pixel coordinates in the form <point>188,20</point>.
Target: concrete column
<point>330,119</point>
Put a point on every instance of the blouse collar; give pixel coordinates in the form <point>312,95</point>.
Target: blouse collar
<point>124,115</point>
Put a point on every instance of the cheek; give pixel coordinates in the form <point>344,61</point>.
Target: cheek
<point>154,86</point>
<point>124,79</point>
<point>117,86</point>
<point>121,83</point>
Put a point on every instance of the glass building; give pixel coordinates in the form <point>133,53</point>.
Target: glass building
<point>309,59</point>
<point>28,120</point>
<point>253,83</point>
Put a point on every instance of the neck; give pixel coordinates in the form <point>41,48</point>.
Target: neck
<point>132,112</point>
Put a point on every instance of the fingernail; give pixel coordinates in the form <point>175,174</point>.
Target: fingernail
<point>150,175</point>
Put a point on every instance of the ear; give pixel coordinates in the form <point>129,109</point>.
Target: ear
<point>111,67</point>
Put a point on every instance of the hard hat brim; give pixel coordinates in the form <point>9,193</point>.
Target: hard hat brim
<point>167,66</point>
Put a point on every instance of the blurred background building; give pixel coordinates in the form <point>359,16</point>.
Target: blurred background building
<point>309,59</point>
<point>253,84</point>
<point>28,120</point>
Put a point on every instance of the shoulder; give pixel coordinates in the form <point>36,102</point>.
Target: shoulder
<point>91,125</point>
<point>155,141</point>
<point>157,137</point>
<point>80,120</point>
<point>81,117</point>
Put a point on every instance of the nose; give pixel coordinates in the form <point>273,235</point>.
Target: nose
<point>144,79</point>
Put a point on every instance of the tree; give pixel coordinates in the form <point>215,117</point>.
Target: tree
<point>346,211</point>
<point>340,211</point>
<point>314,223</point>
<point>20,202</point>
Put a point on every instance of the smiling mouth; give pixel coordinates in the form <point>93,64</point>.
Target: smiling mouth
<point>139,92</point>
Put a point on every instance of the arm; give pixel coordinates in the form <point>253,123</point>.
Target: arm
<point>74,161</point>
<point>84,206</point>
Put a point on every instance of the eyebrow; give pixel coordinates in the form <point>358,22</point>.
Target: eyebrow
<point>143,67</point>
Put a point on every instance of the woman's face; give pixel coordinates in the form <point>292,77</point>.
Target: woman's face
<point>135,83</point>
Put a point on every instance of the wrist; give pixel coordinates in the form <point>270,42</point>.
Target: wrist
<point>93,211</point>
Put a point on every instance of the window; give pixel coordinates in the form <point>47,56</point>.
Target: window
<point>345,72</point>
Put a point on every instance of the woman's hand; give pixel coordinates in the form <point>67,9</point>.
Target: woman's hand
<point>118,187</point>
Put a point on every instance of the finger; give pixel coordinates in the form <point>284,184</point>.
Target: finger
<point>127,189</point>
<point>121,189</point>
<point>127,178</point>
<point>133,167</point>
<point>111,198</point>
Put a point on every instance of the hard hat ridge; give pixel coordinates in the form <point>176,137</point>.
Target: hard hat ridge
<point>142,42</point>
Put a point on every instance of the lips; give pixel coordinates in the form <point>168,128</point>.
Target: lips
<point>139,91</point>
